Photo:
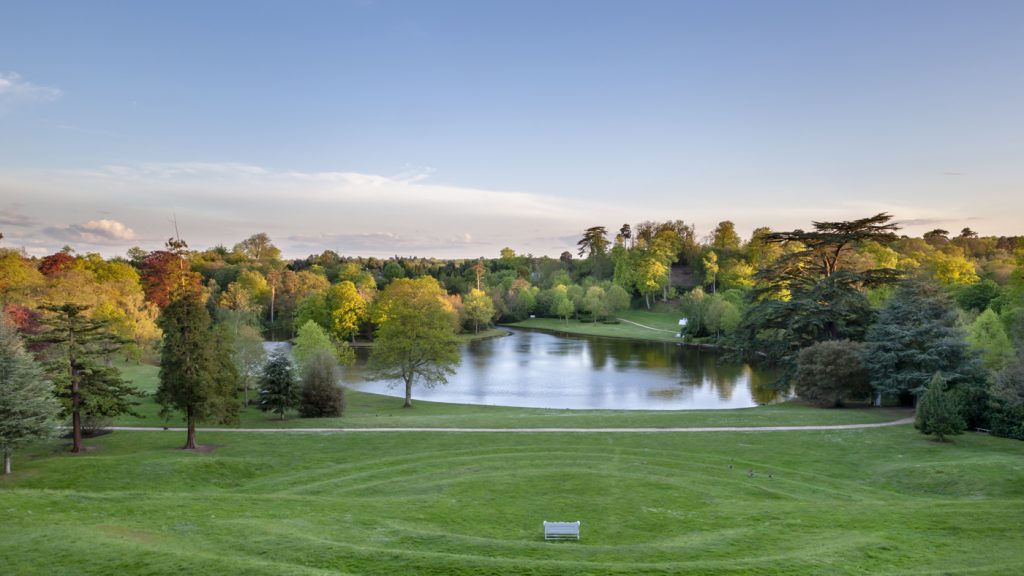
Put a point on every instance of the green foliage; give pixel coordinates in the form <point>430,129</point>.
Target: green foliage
<point>478,308</point>
<point>347,309</point>
<point>917,335</point>
<point>986,335</point>
<point>28,408</point>
<point>279,387</point>
<point>197,373</point>
<point>321,395</point>
<point>1007,417</point>
<point>720,315</point>
<point>415,339</point>
<point>78,350</point>
<point>977,296</point>
<point>828,373</point>
<point>249,356</point>
<point>938,413</point>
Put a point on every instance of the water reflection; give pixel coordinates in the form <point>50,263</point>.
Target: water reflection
<point>536,369</point>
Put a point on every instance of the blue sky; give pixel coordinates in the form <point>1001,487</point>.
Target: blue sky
<point>455,128</point>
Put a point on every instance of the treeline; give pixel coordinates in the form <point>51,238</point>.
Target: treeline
<point>770,296</point>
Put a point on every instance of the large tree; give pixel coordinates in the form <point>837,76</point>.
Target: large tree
<point>197,374</point>
<point>28,408</point>
<point>415,339</point>
<point>77,352</point>
<point>829,373</point>
<point>916,335</point>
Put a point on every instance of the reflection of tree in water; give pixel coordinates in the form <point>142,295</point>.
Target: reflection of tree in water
<point>722,376</point>
<point>481,353</point>
<point>680,393</point>
<point>659,356</point>
<point>761,389</point>
<point>598,354</point>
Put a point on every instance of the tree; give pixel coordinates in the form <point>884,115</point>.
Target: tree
<point>594,242</point>
<point>249,357</point>
<point>165,273</point>
<point>562,306</point>
<point>1007,416</point>
<point>720,315</point>
<point>197,375</point>
<point>710,262</point>
<point>978,296</point>
<point>28,408</point>
<point>937,412</point>
<point>594,303</point>
<point>415,339</point>
<point>828,373</point>
<point>616,299</point>
<point>725,237</point>
<point>258,247</point>
<point>77,348</point>
<point>321,395</point>
<point>279,388</point>
<point>348,309</point>
<point>987,336</point>
<point>916,335</point>
<point>312,339</point>
<point>478,307</point>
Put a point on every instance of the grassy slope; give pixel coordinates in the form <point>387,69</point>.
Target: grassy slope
<point>377,411</point>
<point>844,502</point>
<point>661,320</point>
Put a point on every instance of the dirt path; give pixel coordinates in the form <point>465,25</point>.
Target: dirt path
<point>647,327</point>
<point>899,422</point>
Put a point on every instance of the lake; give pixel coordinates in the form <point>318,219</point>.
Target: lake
<point>543,370</point>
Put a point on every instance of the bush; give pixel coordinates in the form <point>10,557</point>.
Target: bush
<point>321,395</point>
<point>828,373</point>
<point>938,413</point>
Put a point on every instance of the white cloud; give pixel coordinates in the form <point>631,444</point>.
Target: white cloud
<point>14,88</point>
<point>101,232</point>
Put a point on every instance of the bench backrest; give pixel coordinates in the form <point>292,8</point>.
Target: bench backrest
<point>562,530</point>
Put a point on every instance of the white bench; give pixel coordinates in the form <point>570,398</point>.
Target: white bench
<point>562,530</point>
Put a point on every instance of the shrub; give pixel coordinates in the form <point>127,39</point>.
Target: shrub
<point>830,372</point>
<point>321,395</point>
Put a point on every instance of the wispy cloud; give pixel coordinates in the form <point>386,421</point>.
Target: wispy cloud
<point>14,88</point>
<point>10,216</point>
<point>96,232</point>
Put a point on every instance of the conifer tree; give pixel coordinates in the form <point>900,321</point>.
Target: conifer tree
<point>938,413</point>
<point>77,350</point>
<point>197,373</point>
<point>28,408</point>
<point>279,389</point>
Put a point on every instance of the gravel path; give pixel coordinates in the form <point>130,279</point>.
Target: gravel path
<point>530,430</point>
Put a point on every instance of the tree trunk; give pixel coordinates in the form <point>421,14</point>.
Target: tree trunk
<point>647,299</point>
<point>190,442</point>
<point>76,422</point>
<point>476,326</point>
<point>408,393</point>
<point>7,462</point>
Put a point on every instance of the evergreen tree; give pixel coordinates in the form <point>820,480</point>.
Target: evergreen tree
<point>937,412</point>
<point>917,335</point>
<point>197,373</point>
<point>28,408</point>
<point>77,353</point>
<point>279,389</point>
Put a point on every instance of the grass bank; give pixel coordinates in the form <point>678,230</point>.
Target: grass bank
<point>883,501</point>
<point>663,326</point>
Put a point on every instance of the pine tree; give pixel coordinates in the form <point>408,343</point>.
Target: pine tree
<point>938,413</point>
<point>279,389</point>
<point>77,350</point>
<point>197,374</point>
<point>28,408</point>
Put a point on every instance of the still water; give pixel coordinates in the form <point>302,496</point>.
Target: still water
<point>541,370</point>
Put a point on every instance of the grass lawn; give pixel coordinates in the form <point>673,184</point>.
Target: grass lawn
<point>881,501</point>
<point>661,320</point>
<point>378,411</point>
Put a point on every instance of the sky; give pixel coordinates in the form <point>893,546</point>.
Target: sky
<point>453,129</point>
